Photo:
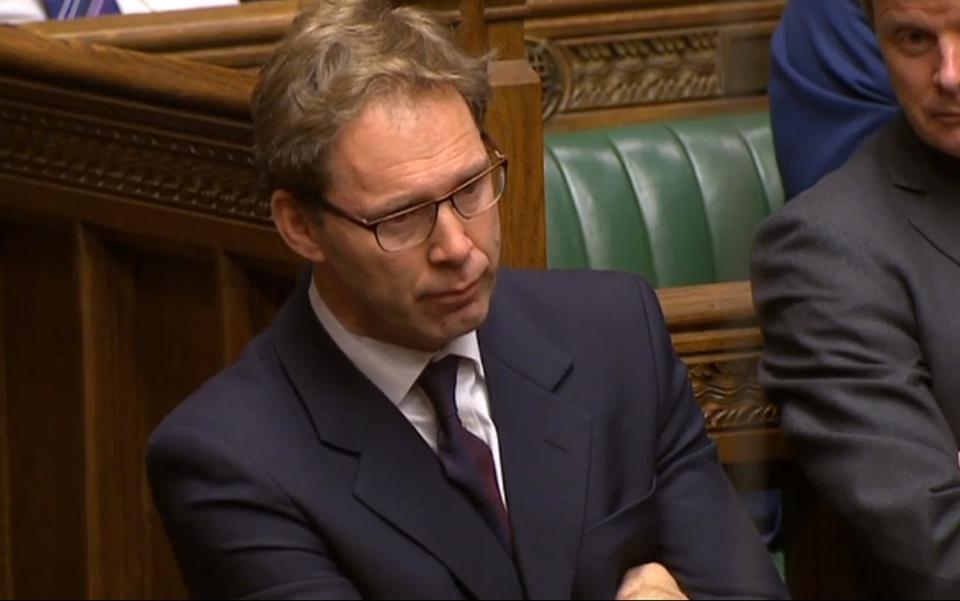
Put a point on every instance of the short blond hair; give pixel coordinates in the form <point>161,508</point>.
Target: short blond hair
<point>336,57</point>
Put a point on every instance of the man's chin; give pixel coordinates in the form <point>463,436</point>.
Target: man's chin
<point>951,148</point>
<point>461,321</point>
<point>468,318</point>
<point>942,137</point>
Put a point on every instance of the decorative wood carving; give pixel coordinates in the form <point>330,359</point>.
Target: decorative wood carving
<point>730,396</point>
<point>643,69</point>
<point>603,71</point>
<point>155,167</point>
<point>611,61</point>
<point>546,60</point>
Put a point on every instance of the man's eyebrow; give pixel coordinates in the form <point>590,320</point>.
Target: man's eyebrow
<point>892,22</point>
<point>401,203</point>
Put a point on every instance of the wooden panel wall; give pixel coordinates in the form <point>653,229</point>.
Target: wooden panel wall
<point>44,412</point>
<point>109,336</point>
<point>6,569</point>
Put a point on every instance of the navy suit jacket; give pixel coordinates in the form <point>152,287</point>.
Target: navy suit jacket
<point>829,88</point>
<point>291,475</point>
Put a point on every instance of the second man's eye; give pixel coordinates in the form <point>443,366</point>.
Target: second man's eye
<point>915,41</point>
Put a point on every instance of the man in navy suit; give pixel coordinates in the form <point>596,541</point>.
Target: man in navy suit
<point>417,423</point>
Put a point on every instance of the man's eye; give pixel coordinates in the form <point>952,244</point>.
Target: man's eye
<point>915,41</point>
<point>400,220</point>
<point>471,188</point>
<point>475,191</point>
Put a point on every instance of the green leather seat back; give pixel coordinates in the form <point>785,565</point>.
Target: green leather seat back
<point>675,201</point>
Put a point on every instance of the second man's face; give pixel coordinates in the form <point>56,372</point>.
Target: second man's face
<point>396,153</point>
<point>920,40</point>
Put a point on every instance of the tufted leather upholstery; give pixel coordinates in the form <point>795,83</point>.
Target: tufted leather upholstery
<point>676,201</point>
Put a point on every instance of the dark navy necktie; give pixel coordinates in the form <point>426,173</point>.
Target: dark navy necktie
<point>466,459</point>
<point>61,10</point>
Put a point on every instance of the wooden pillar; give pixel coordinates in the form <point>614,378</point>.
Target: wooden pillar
<point>113,428</point>
<point>6,571</point>
<point>472,29</point>
<point>43,459</point>
<point>515,121</point>
<point>235,297</point>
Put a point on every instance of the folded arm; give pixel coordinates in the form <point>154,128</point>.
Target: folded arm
<point>708,541</point>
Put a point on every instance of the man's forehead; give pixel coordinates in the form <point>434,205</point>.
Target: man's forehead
<point>410,144</point>
<point>406,113</point>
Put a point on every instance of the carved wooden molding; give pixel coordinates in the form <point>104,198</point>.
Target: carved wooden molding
<point>647,68</point>
<point>644,69</point>
<point>730,395</point>
<point>546,60</point>
<point>146,165</point>
<point>613,61</point>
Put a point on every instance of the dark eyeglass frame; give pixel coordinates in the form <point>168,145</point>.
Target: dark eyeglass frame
<point>499,159</point>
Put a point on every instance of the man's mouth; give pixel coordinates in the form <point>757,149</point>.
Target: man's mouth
<point>456,294</point>
<point>947,117</point>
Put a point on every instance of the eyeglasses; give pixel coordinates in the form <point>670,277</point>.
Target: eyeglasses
<point>410,226</point>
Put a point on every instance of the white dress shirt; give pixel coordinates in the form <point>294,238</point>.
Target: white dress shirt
<point>395,369</point>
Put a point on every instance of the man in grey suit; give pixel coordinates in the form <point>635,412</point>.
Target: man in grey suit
<point>857,284</point>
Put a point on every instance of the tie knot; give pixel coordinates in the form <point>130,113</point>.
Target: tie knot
<point>439,381</point>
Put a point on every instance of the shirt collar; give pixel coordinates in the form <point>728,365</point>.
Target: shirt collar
<point>393,369</point>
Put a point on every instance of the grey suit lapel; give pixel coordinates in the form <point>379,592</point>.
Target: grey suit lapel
<point>933,180</point>
<point>544,446</point>
<point>398,476</point>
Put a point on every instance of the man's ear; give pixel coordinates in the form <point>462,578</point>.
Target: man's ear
<point>297,226</point>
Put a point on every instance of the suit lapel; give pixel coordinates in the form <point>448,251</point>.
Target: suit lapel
<point>398,476</point>
<point>544,447</point>
<point>407,488</point>
<point>934,179</point>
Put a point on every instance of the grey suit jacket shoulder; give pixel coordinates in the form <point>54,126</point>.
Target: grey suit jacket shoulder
<point>857,285</point>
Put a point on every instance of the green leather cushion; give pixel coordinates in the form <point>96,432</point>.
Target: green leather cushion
<point>676,201</point>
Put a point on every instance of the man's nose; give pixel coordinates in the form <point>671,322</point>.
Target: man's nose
<point>449,242</point>
<point>948,76</point>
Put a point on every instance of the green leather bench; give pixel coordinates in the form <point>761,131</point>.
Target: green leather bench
<point>676,201</point>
